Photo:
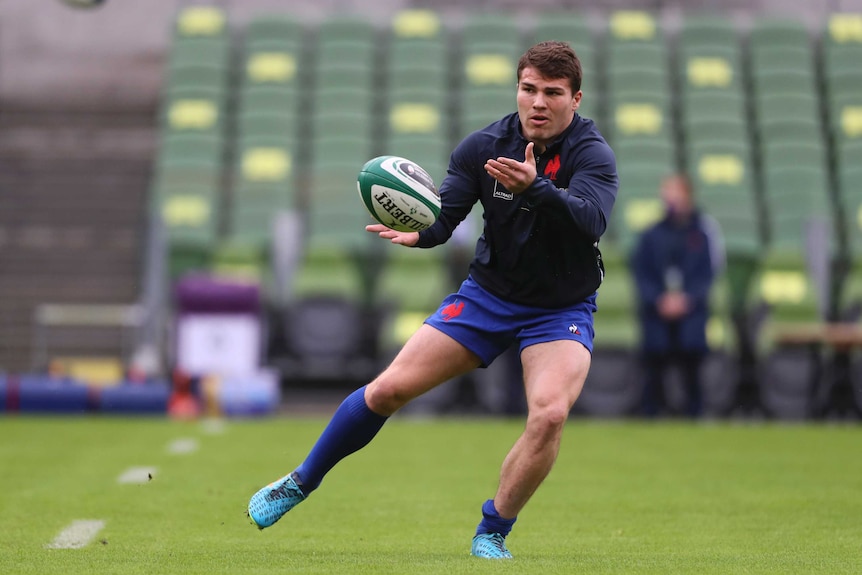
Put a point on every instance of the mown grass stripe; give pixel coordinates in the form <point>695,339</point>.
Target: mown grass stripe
<point>77,534</point>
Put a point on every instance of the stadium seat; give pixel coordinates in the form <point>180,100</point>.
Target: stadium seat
<point>194,109</point>
<point>571,27</point>
<point>779,154</point>
<point>714,129</point>
<point>427,54</point>
<point>796,128</point>
<point>771,83</point>
<point>658,151</point>
<point>200,21</point>
<point>274,27</point>
<point>782,59</point>
<point>697,105</point>
<point>638,114</point>
<point>842,43</point>
<point>490,48</point>
<point>270,98</point>
<point>207,51</point>
<point>638,202</point>
<point>632,56</point>
<point>634,26</point>
<point>708,31</point>
<point>623,82</point>
<point>418,41</point>
<point>482,105</point>
<point>777,33</point>
<point>191,147</point>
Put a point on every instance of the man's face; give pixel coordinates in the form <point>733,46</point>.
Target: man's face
<point>676,196</point>
<point>546,106</point>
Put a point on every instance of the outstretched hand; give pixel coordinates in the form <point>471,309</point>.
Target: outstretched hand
<point>514,175</point>
<point>396,237</point>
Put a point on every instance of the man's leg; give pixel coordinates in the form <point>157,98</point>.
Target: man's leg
<point>428,359</point>
<point>554,374</point>
<point>690,363</point>
<point>653,401</point>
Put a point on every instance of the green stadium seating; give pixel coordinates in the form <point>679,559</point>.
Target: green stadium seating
<point>270,98</point>
<point>267,123</point>
<point>793,194</point>
<point>659,151</point>
<point>784,82</point>
<point>194,110</point>
<point>190,146</point>
<point>638,203</point>
<point>774,33</point>
<point>806,154</point>
<point>708,31</point>
<point>782,59</point>
<point>186,189</point>
<point>796,128</point>
<point>697,105</point>
<point>632,56</point>
<point>418,41</point>
<point>634,26</point>
<point>570,27</point>
<point>206,51</point>
<point>727,129</point>
<point>638,114</point>
<point>481,106</point>
<point>622,82</point>
<point>200,21</point>
<point>274,28</point>
<point>842,43</point>
<point>430,55</point>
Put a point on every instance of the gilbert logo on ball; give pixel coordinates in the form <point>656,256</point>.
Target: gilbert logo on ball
<point>398,193</point>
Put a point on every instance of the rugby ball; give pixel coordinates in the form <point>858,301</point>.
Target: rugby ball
<point>398,193</point>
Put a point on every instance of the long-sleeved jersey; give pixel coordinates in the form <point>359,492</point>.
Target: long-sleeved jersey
<point>539,247</point>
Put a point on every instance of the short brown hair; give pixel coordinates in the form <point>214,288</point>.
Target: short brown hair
<point>553,60</point>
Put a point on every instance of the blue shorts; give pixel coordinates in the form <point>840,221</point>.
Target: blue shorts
<point>487,325</point>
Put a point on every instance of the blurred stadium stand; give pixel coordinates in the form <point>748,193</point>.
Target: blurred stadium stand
<point>139,143</point>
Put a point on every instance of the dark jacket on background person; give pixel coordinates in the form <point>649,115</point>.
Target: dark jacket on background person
<point>668,253</point>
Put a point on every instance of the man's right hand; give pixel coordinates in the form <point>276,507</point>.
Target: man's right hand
<point>673,305</point>
<point>396,237</point>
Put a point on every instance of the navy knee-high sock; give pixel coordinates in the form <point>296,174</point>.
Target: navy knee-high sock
<point>492,522</point>
<point>351,428</point>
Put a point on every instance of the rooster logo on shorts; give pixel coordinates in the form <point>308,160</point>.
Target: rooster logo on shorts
<point>452,310</point>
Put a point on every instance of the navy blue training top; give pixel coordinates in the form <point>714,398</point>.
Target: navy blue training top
<point>540,247</point>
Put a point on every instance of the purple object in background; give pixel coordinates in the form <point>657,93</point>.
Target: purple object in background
<point>198,293</point>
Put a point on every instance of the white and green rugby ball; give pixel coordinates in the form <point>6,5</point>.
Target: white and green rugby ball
<point>398,193</point>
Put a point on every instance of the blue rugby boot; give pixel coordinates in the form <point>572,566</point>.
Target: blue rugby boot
<point>268,505</point>
<point>490,546</point>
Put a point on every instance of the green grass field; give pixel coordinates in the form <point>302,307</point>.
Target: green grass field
<point>623,498</point>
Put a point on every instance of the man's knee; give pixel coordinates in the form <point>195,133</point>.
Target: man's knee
<point>547,418</point>
<point>384,396</point>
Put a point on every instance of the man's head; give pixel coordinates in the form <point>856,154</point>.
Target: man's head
<point>676,193</point>
<point>549,91</point>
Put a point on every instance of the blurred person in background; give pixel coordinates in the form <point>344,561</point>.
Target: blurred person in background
<point>674,264</point>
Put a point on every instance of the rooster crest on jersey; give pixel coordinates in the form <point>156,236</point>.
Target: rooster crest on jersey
<point>398,193</point>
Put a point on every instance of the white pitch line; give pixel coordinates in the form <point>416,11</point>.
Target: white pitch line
<point>77,534</point>
<point>136,475</point>
<point>183,446</point>
<point>213,426</point>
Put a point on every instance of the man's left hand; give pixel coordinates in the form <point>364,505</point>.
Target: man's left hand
<point>514,175</point>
